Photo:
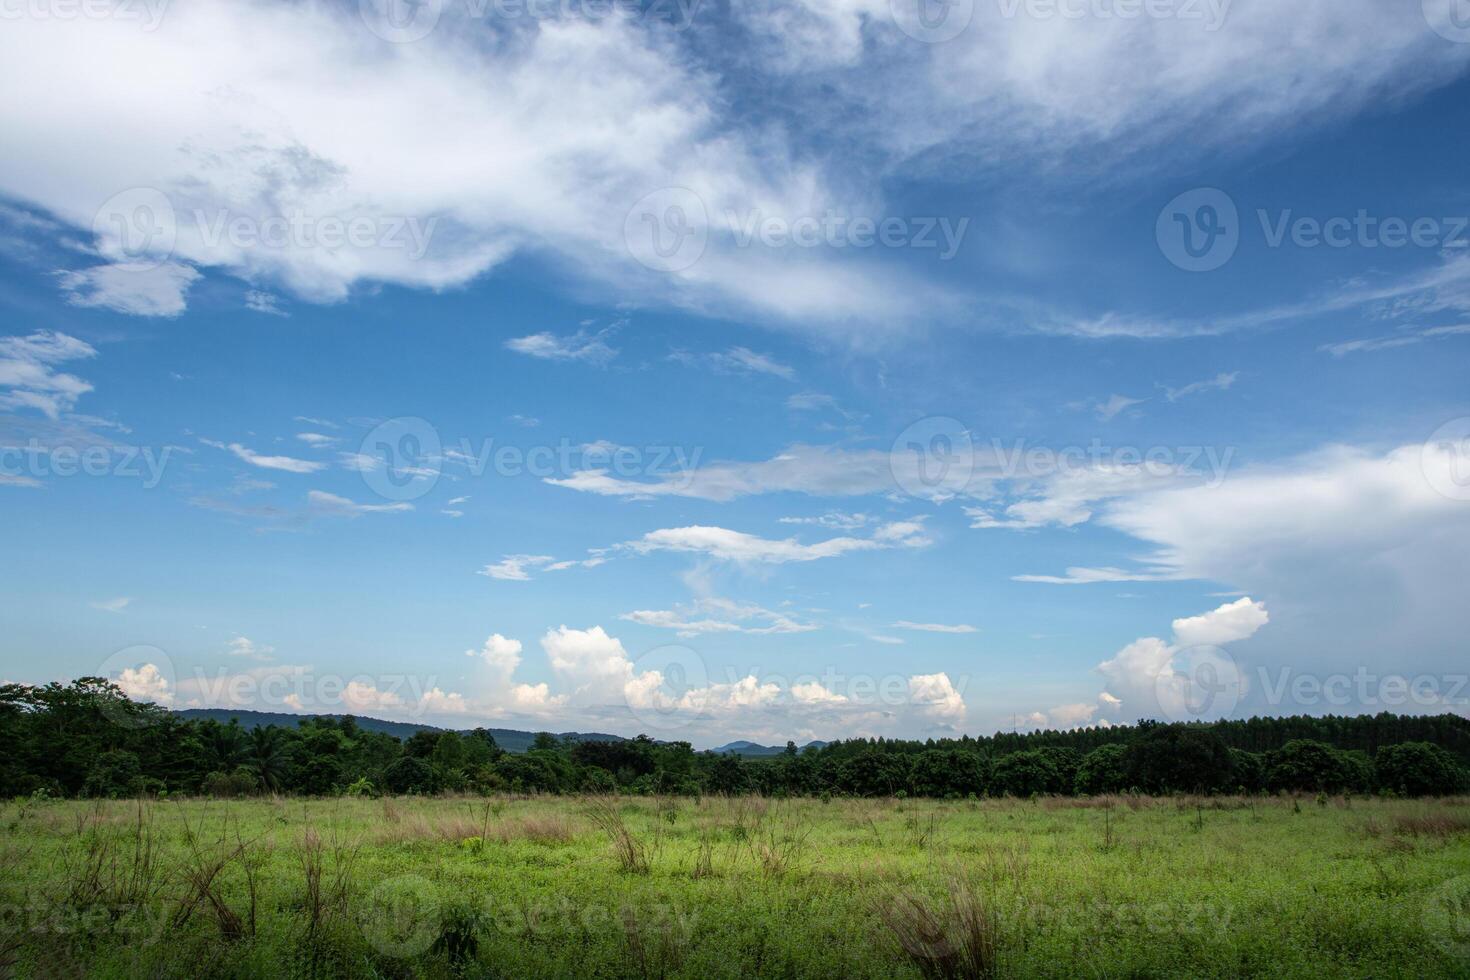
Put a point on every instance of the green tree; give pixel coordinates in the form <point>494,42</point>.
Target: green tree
<point>1418,769</point>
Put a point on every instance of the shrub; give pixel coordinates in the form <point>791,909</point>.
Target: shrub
<point>1418,769</point>
<point>1179,758</point>
<point>1103,770</point>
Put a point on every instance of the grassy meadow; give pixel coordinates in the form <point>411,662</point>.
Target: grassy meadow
<point>734,887</point>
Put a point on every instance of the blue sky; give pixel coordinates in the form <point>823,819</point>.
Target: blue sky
<point>334,350</point>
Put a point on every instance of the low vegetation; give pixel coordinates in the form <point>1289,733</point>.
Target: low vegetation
<point>552,886</point>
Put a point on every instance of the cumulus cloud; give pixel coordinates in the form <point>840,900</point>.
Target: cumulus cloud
<point>1189,677</point>
<point>146,683</point>
<point>501,653</point>
<point>1233,621</point>
<point>243,646</point>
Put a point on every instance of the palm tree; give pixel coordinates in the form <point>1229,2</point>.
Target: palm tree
<point>268,755</point>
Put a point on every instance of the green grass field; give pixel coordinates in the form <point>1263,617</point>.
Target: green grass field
<point>640,887</point>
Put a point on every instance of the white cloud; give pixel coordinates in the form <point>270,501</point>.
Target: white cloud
<point>1219,382</point>
<point>1020,87</point>
<point>146,683</point>
<point>737,546</point>
<point>737,360</point>
<point>904,624</point>
<point>1066,716</point>
<point>814,693</point>
<point>243,646</point>
<point>287,464</point>
<point>436,701</point>
<point>259,301</point>
<point>501,653</point>
<point>316,439</point>
<point>1108,410</point>
<point>580,346</point>
<point>360,462</point>
<point>832,519</point>
<point>714,615</point>
<point>936,696</point>
<point>1233,621</point>
<point>28,375</point>
<point>1068,495</point>
<point>112,605</point>
<point>517,568</point>
<point>158,291</point>
<point>820,471</point>
<point>332,505</point>
<point>1150,676</point>
<point>1405,338</point>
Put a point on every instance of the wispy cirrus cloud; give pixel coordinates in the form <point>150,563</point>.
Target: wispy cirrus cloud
<point>287,464</point>
<point>580,346</point>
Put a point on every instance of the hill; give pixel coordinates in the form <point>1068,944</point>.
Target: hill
<point>509,739</point>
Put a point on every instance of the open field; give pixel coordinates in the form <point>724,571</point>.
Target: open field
<point>726,887</point>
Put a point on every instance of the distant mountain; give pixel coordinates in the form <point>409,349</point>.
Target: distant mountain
<point>509,739</point>
<point>753,749</point>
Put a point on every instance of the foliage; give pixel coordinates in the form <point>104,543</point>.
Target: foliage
<point>87,739</point>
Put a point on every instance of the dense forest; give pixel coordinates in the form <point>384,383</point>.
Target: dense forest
<point>87,739</point>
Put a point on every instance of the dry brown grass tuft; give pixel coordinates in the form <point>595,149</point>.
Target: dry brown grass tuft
<point>1441,825</point>
<point>548,829</point>
<point>957,942</point>
<point>632,853</point>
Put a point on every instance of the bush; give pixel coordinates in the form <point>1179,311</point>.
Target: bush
<point>238,782</point>
<point>1180,758</point>
<point>1103,770</point>
<point>115,773</point>
<point>408,774</point>
<point>1027,774</point>
<point>1418,769</point>
<point>1304,765</point>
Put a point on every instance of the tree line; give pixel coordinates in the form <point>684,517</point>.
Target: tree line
<point>87,739</point>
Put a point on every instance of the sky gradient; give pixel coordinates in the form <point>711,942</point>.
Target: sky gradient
<point>801,370</point>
